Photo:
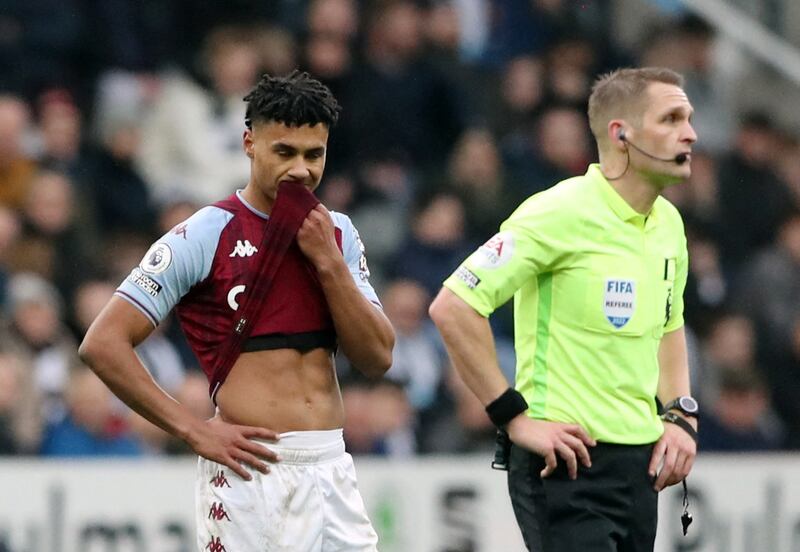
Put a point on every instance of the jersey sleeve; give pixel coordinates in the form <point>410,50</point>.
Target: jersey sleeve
<point>675,320</point>
<point>176,262</point>
<point>355,257</point>
<point>530,242</point>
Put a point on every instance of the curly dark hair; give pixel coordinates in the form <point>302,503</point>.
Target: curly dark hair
<point>295,100</point>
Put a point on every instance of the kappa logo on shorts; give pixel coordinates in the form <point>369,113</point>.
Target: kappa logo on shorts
<point>218,512</point>
<point>219,480</point>
<point>215,545</point>
<point>619,301</point>
<point>157,259</point>
<point>496,252</point>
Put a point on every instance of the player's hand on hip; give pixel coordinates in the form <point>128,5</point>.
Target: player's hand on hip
<point>316,237</point>
<point>675,453</point>
<point>552,439</point>
<point>231,445</point>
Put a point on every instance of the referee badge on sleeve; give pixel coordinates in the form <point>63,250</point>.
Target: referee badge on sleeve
<point>619,301</point>
<point>496,252</point>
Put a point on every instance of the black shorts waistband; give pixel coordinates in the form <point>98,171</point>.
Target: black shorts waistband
<point>304,341</point>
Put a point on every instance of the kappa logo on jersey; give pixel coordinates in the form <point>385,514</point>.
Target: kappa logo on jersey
<point>219,480</point>
<point>217,512</point>
<point>243,249</point>
<point>496,252</point>
<point>215,545</point>
<point>619,301</point>
<point>157,259</point>
<point>180,230</point>
<point>150,286</point>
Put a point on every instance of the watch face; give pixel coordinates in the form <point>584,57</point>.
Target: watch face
<point>688,404</point>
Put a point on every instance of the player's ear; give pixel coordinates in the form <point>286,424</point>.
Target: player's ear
<point>247,142</point>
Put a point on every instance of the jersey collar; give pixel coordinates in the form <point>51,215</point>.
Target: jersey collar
<point>610,197</point>
<point>252,209</point>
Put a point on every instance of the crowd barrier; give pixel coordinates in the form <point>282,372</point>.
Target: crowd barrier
<point>740,503</point>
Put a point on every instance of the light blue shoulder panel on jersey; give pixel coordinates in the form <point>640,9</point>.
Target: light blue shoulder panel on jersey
<point>354,256</point>
<point>180,259</point>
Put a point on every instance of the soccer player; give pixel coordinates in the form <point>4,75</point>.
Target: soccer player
<point>597,266</point>
<point>273,472</point>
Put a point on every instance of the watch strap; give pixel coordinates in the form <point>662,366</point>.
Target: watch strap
<point>673,418</point>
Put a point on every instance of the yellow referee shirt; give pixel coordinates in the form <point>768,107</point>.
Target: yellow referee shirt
<point>595,287</point>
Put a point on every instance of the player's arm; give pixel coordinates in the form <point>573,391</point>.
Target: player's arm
<point>108,349</point>
<point>470,344</point>
<point>365,334</point>
<point>676,449</point>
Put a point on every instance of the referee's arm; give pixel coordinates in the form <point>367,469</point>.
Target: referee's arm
<point>470,344</point>
<point>676,450</point>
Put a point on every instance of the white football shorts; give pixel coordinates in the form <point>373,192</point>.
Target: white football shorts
<point>308,502</point>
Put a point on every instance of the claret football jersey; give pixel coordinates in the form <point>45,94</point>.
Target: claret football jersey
<point>201,269</point>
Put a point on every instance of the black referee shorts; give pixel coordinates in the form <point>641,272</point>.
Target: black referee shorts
<point>610,507</point>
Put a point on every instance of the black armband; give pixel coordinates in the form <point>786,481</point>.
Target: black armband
<point>673,418</point>
<point>506,407</point>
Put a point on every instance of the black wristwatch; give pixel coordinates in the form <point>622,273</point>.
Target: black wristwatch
<point>687,405</point>
<point>673,418</point>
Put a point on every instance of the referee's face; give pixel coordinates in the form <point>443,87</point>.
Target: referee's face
<point>666,132</point>
<point>281,153</point>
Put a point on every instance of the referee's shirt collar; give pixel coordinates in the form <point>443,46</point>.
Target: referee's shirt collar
<point>619,206</point>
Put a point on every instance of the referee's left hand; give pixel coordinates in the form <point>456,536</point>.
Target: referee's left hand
<point>675,452</point>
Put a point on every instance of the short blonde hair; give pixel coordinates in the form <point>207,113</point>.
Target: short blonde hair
<point>621,94</point>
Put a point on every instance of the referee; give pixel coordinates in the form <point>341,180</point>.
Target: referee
<point>597,266</point>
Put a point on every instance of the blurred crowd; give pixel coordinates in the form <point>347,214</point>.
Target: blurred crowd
<point>119,118</point>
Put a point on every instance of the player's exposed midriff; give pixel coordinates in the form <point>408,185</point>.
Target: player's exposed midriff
<point>283,390</point>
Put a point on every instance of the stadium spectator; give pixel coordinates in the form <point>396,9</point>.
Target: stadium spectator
<point>520,97</point>
<point>417,354</point>
<point>769,287</point>
<point>56,242</point>
<point>748,176</point>
<point>119,192</point>
<point>334,18</point>
<point>10,229</point>
<point>16,166</point>
<point>91,427</point>
<point>61,134</point>
<point>730,345</point>
<point>783,381</point>
<point>475,172</point>
<point>436,244</point>
<point>738,420</point>
<point>402,107</point>
<point>191,140</point>
<point>459,423</point>
<point>555,146</point>
<point>379,420</point>
<point>20,406</point>
<point>36,334</point>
